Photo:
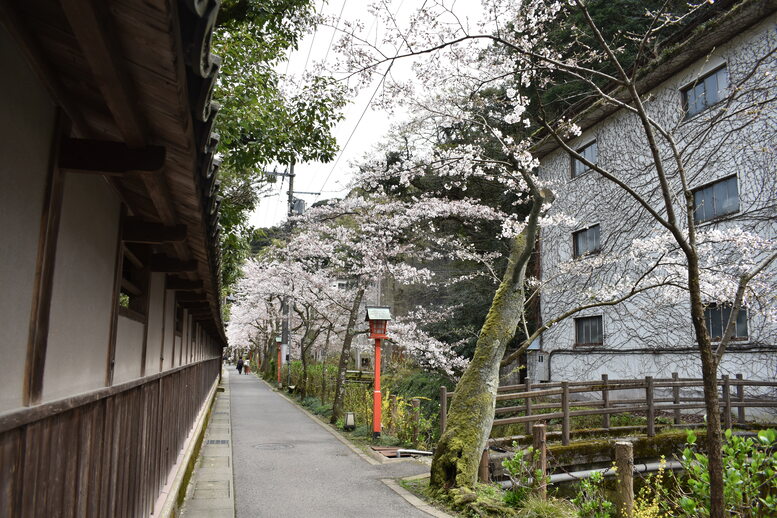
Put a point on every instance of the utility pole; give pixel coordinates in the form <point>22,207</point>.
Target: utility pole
<point>286,308</point>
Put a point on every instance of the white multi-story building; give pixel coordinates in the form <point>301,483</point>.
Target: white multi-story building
<point>715,95</point>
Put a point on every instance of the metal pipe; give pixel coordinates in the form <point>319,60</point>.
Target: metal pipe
<point>647,467</point>
<point>413,452</point>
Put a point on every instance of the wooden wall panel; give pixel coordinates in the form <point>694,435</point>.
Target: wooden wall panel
<point>107,457</point>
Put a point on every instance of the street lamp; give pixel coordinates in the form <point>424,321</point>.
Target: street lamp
<point>378,317</point>
<point>278,346</point>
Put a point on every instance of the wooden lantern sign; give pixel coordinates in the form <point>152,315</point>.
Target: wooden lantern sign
<point>378,317</point>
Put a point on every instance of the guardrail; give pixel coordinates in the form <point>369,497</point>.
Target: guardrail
<point>565,397</point>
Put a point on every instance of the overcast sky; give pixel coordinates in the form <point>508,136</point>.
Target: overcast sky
<point>332,179</point>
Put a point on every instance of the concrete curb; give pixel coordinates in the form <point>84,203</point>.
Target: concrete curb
<point>414,500</point>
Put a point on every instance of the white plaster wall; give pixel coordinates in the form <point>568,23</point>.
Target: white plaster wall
<point>156,292</point>
<point>169,335</point>
<point>651,322</point>
<point>129,350</point>
<point>186,336</point>
<point>25,139</point>
<point>178,351</point>
<point>82,298</point>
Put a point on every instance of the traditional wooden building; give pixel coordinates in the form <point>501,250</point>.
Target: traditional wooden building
<point>110,322</point>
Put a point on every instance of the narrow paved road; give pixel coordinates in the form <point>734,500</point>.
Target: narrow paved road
<point>286,465</point>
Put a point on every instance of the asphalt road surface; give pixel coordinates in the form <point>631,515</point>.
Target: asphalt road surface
<point>287,465</point>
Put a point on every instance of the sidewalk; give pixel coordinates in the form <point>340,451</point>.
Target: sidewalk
<point>211,493</point>
<point>288,465</point>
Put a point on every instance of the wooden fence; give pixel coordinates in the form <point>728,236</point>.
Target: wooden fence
<point>105,453</point>
<point>564,400</point>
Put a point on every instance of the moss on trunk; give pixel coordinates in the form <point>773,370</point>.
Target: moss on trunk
<point>457,456</point>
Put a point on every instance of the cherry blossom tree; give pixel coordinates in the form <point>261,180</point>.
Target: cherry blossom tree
<point>364,239</point>
<point>509,50</point>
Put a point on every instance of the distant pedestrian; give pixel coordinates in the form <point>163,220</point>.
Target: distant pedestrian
<point>240,366</point>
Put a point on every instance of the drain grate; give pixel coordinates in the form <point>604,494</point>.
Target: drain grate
<point>217,441</point>
<point>273,446</point>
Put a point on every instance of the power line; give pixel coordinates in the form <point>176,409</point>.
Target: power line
<point>334,31</point>
<point>313,40</point>
<point>367,107</point>
<point>342,151</point>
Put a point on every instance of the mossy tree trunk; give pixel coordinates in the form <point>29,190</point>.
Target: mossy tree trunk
<point>471,415</point>
<point>345,357</point>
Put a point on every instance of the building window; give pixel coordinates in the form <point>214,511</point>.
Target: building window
<point>705,92</point>
<point>178,319</point>
<point>716,316</point>
<point>588,331</point>
<point>590,153</point>
<point>586,241</point>
<point>716,199</point>
<point>134,281</point>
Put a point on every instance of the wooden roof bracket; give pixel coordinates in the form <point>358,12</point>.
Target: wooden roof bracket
<point>108,158</point>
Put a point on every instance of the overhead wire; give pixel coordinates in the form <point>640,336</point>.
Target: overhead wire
<point>334,31</point>
<point>313,39</point>
<point>372,97</point>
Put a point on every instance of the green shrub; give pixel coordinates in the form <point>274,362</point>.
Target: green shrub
<point>525,479</point>
<point>749,475</point>
<point>590,500</point>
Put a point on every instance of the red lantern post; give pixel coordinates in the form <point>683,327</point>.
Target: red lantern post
<point>378,318</point>
<point>279,346</point>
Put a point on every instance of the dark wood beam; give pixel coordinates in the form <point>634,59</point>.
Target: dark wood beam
<point>39,62</point>
<point>187,296</point>
<point>176,283</point>
<point>108,158</point>
<point>43,284</point>
<point>92,26</point>
<point>139,231</point>
<point>162,263</point>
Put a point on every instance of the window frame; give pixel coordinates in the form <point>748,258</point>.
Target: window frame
<point>134,285</point>
<point>598,250</point>
<point>573,161</point>
<point>708,185</point>
<point>578,343</point>
<point>734,337</point>
<point>700,80</point>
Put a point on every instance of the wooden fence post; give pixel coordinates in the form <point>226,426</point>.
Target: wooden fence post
<point>651,410</point>
<point>528,405</point>
<point>416,418</point>
<point>741,399</point>
<point>676,397</point>
<point>541,465</point>
<point>606,401</point>
<point>726,401</point>
<point>624,463</point>
<point>443,408</point>
<point>483,474</point>
<point>393,411</point>
<point>565,410</point>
